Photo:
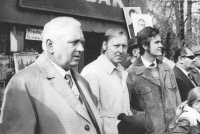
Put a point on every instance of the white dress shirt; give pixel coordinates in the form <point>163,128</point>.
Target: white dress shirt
<point>147,63</point>
<point>63,73</point>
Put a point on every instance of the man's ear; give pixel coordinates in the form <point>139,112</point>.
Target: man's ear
<point>133,52</point>
<point>49,45</point>
<point>180,60</point>
<point>104,45</point>
<point>145,47</point>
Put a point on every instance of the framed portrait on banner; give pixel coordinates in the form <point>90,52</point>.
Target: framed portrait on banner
<point>128,12</point>
<point>140,21</point>
<point>23,60</point>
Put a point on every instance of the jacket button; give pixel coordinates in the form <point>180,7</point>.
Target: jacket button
<point>87,128</point>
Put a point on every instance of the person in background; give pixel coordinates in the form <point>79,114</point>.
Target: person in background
<point>48,97</point>
<point>107,79</point>
<point>133,52</point>
<point>195,72</point>
<point>185,60</point>
<point>188,114</point>
<point>152,84</point>
<point>141,24</point>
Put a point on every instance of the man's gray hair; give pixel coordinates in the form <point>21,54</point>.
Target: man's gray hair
<point>54,28</point>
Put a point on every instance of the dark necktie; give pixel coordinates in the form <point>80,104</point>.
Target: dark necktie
<point>70,83</point>
<point>192,79</point>
<point>152,65</point>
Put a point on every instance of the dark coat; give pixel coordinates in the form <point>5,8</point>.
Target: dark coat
<point>159,101</point>
<point>195,73</point>
<point>183,82</point>
<point>127,64</point>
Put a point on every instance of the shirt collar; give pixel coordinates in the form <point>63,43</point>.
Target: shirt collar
<point>197,69</point>
<point>60,70</point>
<point>108,65</point>
<point>164,59</point>
<point>147,63</point>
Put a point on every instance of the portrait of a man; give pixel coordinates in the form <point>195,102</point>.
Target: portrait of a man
<point>141,21</point>
<point>128,12</point>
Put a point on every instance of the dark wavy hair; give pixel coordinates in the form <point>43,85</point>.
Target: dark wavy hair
<point>144,37</point>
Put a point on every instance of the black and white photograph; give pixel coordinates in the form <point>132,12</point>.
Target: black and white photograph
<point>128,12</point>
<point>99,66</point>
<point>141,21</point>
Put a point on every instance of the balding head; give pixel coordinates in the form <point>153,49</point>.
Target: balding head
<point>54,28</point>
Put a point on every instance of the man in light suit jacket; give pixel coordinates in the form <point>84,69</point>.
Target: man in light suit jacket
<point>185,60</point>
<point>39,100</point>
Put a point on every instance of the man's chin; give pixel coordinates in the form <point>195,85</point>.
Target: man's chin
<point>74,64</point>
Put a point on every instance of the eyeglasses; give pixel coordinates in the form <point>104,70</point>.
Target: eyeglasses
<point>190,57</point>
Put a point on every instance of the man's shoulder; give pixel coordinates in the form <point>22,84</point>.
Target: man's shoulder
<point>93,67</point>
<point>27,78</point>
<point>28,72</point>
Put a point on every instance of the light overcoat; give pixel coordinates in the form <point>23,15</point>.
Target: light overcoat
<point>38,100</point>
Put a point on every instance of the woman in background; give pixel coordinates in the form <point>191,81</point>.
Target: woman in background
<point>188,115</point>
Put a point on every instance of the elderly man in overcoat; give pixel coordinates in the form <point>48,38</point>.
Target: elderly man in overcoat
<point>48,97</point>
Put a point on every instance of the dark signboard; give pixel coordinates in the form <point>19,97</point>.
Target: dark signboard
<point>101,9</point>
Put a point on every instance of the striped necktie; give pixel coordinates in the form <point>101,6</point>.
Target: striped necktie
<point>69,78</point>
<point>70,83</point>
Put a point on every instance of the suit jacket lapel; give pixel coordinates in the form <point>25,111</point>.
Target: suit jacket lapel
<point>61,86</point>
<point>183,76</point>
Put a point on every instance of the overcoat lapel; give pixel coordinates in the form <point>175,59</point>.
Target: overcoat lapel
<point>141,69</point>
<point>87,95</point>
<point>61,86</point>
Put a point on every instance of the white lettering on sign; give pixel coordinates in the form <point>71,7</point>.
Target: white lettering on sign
<point>119,2</point>
<point>108,2</point>
<point>33,34</point>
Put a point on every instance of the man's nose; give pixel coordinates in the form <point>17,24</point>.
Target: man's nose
<point>194,60</point>
<point>160,44</point>
<point>80,47</point>
<point>120,49</point>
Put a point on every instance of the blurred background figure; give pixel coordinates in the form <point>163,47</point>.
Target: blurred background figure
<point>133,52</point>
<point>188,115</point>
<point>141,24</point>
<point>195,72</point>
<point>185,61</point>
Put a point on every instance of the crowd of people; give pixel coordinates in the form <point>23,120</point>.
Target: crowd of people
<point>131,88</point>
